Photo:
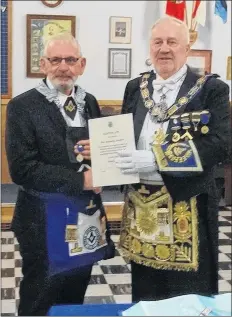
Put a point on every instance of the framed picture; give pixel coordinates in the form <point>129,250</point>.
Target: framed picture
<point>120,30</point>
<point>119,63</point>
<point>6,50</point>
<point>39,29</point>
<point>228,70</point>
<point>200,61</point>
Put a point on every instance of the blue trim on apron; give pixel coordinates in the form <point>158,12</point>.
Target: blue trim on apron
<point>56,220</point>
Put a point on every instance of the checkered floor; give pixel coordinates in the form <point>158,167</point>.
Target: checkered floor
<point>111,279</point>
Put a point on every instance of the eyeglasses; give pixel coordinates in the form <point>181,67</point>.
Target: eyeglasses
<point>71,61</point>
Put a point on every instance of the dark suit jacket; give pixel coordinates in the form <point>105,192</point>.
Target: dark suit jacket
<point>38,160</point>
<point>37,154</point>
<point>213,148</point>
<point>35,144</point>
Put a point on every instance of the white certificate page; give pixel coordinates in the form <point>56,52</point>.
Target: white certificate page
<point>108,136</point>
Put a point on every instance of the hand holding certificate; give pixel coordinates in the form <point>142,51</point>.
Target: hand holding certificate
<point>108,136</point>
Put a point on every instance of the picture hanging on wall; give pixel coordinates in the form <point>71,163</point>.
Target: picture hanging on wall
<point>200,61</point>
<point>228,71</point>
<point>120,30</point>
<point>39,29</point>
<point>119,63</point>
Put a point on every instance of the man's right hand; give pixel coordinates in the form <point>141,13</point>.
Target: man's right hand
<point>88,182</point>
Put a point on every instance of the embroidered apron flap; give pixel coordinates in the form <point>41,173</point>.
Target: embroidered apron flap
<point>75,232</point>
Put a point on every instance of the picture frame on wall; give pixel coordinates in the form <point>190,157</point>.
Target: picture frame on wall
<point>120,30</point>
<point>200,61</point>
<point>119,63</point>
<point>39,29</point>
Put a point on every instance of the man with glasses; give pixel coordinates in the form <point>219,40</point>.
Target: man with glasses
<point>59,217</point>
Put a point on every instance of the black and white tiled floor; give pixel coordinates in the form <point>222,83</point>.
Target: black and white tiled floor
<point>111,279</point>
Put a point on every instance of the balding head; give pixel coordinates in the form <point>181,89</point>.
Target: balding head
<point>169,21</point>
<point>169,45</point>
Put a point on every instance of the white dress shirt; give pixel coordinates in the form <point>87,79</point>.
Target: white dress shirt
<point>77,122</point>
<point>149,127</point>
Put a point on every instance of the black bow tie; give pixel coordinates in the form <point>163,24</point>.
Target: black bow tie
<point>70,107</point>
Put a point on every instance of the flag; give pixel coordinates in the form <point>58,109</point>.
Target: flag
<point>221,9</point>
<point>199,13</point>
<point>176,9</point>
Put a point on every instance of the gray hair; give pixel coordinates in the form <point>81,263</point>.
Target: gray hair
<point>174,20</point>
<point>64,37</point>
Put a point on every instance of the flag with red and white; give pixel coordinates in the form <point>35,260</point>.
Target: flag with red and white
<point>176,9</point>
<point>198,13</point>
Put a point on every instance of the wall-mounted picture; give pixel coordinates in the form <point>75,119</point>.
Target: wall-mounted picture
<point>39,29</point>
<point>119,63</point>
<point>120,30</point>
<point>200,61</point>
<point>228,71</point>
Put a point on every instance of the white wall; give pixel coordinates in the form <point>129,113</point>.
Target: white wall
<point>92,22</point>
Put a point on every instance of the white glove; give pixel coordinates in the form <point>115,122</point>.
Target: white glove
<point>138,161</point>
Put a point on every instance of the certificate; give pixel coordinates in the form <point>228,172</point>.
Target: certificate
<point>108,136</point>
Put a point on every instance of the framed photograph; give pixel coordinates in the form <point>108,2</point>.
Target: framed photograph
<point>39,29</point>
<point>228,70</point>
<point>119,63</point>
<point>120,30</point>
<point>200,61</point>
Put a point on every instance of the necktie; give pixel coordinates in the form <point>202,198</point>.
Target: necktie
<point>70,108</point>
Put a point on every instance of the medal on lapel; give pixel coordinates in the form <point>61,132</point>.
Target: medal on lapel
<point>186,125</point>
<point>175,127</point>
<point>204,117</point>
<point>195,120</point>
<point>70,108</point>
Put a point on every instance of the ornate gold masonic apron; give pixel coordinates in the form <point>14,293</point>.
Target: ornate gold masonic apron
<point>158,232</point>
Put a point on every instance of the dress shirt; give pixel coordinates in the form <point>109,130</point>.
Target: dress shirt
<point>171,90</point>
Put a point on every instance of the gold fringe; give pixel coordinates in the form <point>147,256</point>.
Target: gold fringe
<point>154,264</point>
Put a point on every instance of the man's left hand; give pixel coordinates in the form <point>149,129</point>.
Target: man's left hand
<point>83,147</point>
<point>138,161</point>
